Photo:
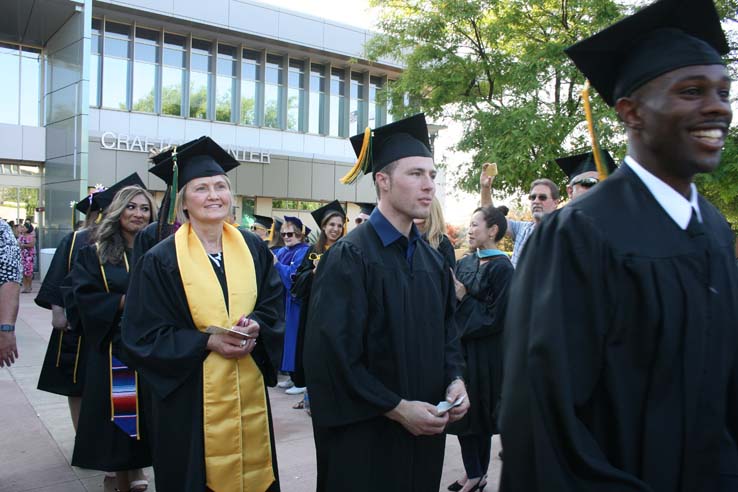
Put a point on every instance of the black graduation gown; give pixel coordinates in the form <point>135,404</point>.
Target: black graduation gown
<point>480,317</point>
<point>302,284</point>
<point>166,348</point>
<point>99,443</point>
<point>447,251</point>
<point>63,346</point>
<point>378,331</point>
<point>621,364</point>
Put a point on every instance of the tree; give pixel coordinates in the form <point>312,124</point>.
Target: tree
<point>500,69</point>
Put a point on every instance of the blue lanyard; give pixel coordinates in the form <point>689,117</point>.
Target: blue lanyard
<point>488,253</point>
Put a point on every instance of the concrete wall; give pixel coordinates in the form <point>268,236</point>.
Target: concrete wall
<point>66,103</point>
<point>22,143</point>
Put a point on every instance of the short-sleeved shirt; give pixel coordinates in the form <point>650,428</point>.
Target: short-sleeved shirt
<point>10,257</point>
<point>520,232</point>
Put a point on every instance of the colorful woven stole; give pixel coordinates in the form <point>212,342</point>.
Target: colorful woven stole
<point>123,383</point>
<point>238,451</point>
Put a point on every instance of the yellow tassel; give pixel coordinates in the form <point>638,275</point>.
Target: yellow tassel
<point>362,161</point>
<point>98,219</point>
<point>271,233</point>
<point>601,170</point>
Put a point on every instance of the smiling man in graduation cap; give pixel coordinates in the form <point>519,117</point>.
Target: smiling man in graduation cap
<point>582,171</point>
<point>621,370</point>
<point>210,421</point>
<point>381,347</point>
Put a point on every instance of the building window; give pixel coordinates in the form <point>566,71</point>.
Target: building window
<point>376,110</point>
<point>296,96</point>
<point>273,92</point>
<point>248,206</point>
<point>317,99</point>
<point>95,61</point>
<point>357,115</point>
<point>146,61</point>
<point>117,53</point>
<point>250,87</point>
<point>225,84</point>
<point>200,71</point>
<point>172,74</point>
<point>337,123</point>
<point>21,75</point>
<point>390,118</point>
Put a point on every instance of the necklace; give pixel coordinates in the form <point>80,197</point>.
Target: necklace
<point>216,258</point>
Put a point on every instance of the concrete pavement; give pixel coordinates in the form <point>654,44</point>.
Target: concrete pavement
<point>37,438</point>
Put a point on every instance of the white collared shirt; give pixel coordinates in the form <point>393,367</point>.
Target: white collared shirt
<point>673,203</point>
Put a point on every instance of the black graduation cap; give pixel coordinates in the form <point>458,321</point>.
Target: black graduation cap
<point>197,158</point>
<point>298,223</point>
<point>321,213</point>
<point>664,36</point>
<point>376,148</point>
<point>575,165</point>
<point>88,203</point>
<point>366,208</point>
<point>263,221</point>
<point>104,198</point>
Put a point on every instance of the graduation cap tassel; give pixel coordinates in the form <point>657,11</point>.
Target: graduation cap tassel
<point>271,233</point>
<point>363,161</point>
<point>173,191</point>
<point>601,169</point>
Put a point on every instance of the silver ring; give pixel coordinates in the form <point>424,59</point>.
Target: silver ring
<point>243,343</point>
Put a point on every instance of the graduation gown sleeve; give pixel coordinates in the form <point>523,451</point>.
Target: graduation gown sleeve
<point>145,240</point>
<point>50,292</point>
<point>333,354</point>
<point>552,364</point>
<point>302,281</point>
<point>482,311</point>
<point>97,309</point>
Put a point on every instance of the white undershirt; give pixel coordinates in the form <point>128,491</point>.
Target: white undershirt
<point>673,203</point>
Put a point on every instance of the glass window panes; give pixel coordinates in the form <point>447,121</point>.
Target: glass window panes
<point>337,123</point>
<point>146,56</point>
<point>30,87</point>
<point>296,96</point>
<point>250,87</point>
<point>357,113</point>
<point>115,65</point>
<point>375,110</point>
<point>317,99</point>
<point>95,50</point>
<point>172,74</point>
<point>225,84</point>
<point>10,68</point>
<point>200,78</point>
<point>273,93</point>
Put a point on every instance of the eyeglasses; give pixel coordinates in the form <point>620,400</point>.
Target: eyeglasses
<point>314,256</point>
<point>255,227</point>
<point>288,234</point>
<point>541,196</point>
<point>585,182</point>
<point>358,220</point>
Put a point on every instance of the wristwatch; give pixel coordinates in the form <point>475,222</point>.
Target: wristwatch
<point>7,328</point>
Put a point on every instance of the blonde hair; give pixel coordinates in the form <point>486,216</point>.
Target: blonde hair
<point>111,245</point>
<point>181,214</point>
<point>435,224</point>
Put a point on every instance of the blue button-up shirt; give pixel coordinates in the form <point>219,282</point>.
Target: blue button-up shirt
<point>388,234</point>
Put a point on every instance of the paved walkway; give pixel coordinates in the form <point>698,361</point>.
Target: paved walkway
<point>36,434</point>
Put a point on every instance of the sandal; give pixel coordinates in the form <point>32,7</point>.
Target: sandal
<point>299,405</point>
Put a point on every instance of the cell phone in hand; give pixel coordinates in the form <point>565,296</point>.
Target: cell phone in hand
<point>445,406</point>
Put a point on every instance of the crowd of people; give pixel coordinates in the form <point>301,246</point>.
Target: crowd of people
<point>603,351</point>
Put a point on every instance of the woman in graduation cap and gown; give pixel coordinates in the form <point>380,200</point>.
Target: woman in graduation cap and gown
<point>332,221</point>
<point>210,409</point>
<point>111,434</point>
<point>482,279</point>
<point>290,257</point>
<point>62,371</point>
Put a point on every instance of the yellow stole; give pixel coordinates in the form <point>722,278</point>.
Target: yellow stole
<point>238,454</point>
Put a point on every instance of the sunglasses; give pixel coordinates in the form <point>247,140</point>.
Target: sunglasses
<point>288,234</point>
<point>585,182</point>
<point>542,197</point>
<point>255,227</point>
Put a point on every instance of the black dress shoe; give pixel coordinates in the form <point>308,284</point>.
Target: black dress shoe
<point>455,487</point>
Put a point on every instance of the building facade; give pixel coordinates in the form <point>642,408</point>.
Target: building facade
<point>98,85</point>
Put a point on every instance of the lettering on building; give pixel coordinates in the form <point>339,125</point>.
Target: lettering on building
<point>130,143</point>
